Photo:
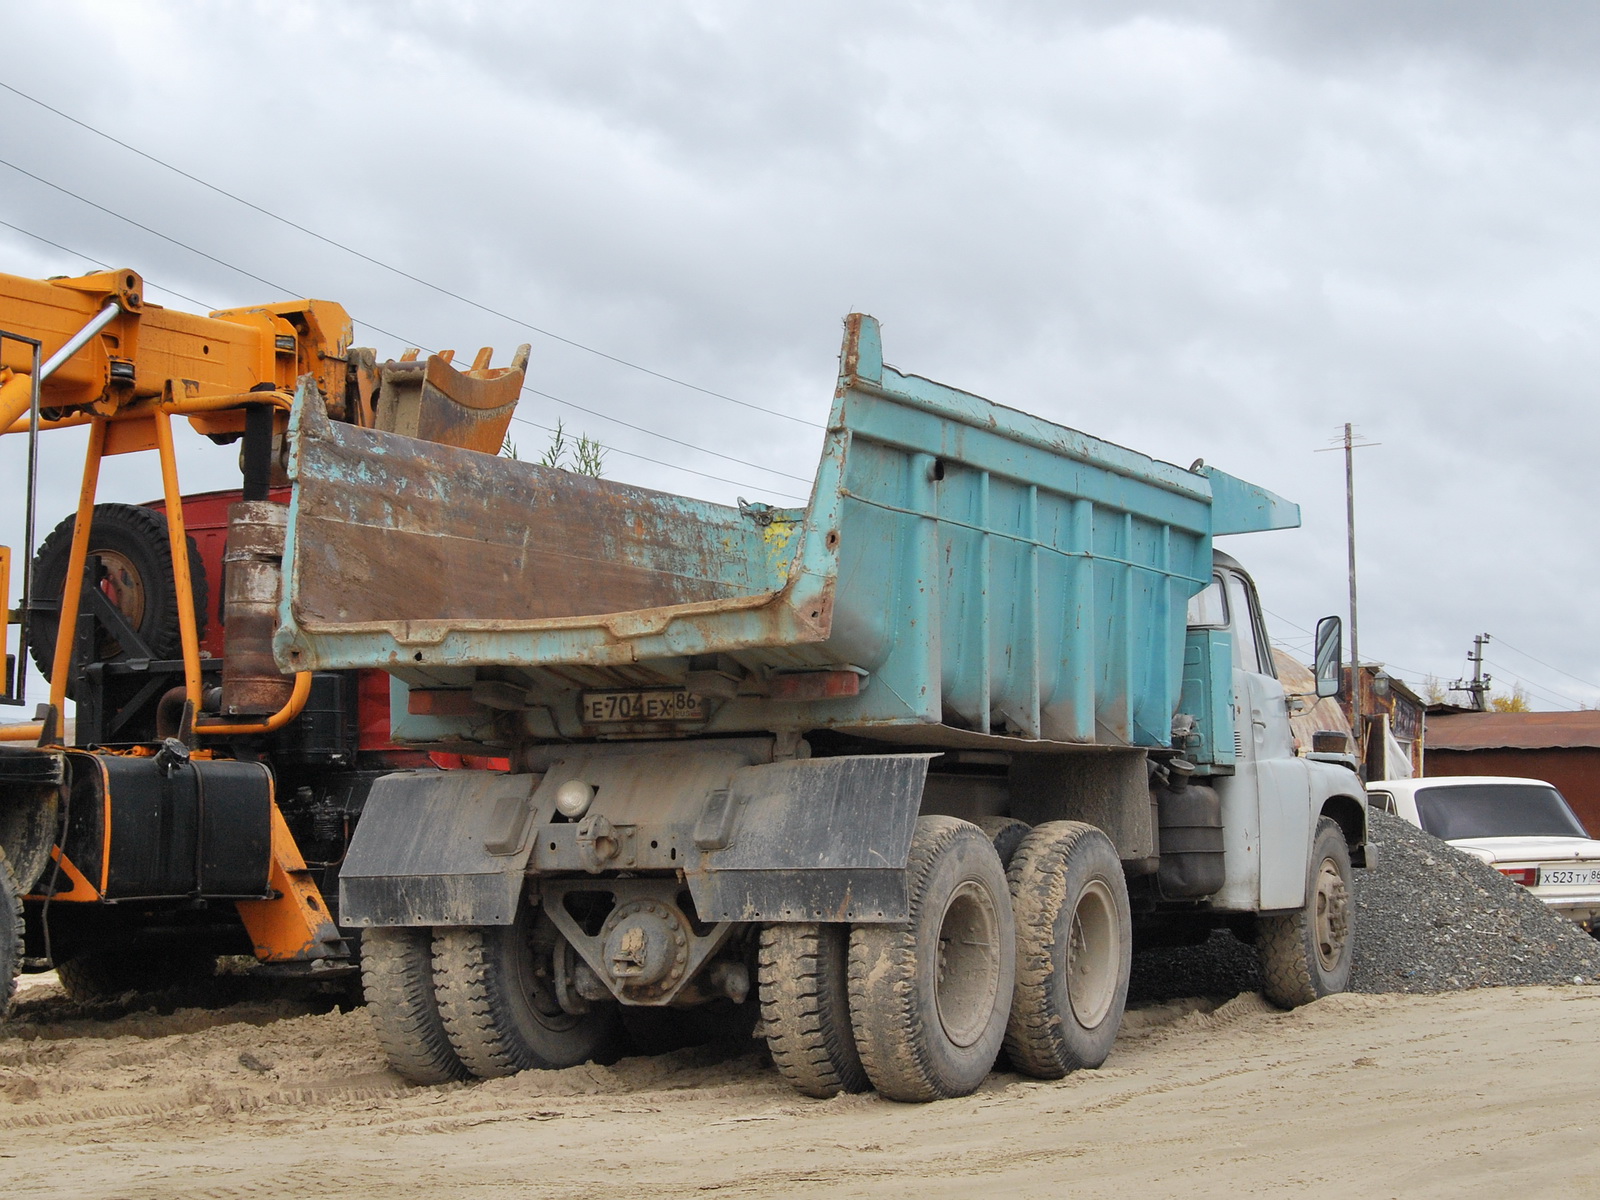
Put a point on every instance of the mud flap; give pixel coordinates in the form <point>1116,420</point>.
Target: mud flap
<point>439,848</point>
<point>821,839</point>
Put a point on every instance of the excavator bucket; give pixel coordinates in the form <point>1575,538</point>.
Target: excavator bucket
<point>433,401</point>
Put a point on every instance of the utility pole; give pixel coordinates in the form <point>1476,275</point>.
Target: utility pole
<point>1479,687</point>
<point>1350,445</point>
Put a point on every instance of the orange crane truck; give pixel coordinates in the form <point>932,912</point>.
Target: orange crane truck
<point>205,800</point>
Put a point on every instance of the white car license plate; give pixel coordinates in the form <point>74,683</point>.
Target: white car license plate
<point>1589,875</point>
<point>604,707</point>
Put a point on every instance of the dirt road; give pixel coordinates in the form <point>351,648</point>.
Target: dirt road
<point>1472,1093</point>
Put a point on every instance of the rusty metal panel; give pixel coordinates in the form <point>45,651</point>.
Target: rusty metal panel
<point>1519,731</point>
<point>390,532</point>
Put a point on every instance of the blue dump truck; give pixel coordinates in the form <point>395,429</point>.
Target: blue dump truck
<point>907,773</point>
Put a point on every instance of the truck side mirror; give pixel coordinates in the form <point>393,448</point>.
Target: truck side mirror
<point>1330,656</point>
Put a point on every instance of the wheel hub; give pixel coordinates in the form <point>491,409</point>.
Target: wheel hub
<point>969,964</point>
<point>1092,955</point>
<point>122,585</point>
<point>1332,914</point>
<point>645,945</point>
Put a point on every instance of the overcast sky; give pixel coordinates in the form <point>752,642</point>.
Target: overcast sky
<point>1211,231</point>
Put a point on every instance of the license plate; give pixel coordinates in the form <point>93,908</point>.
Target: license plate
<point>1589,875</point>
<point>602,707</point>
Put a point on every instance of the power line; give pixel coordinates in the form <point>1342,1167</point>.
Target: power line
<point>413,342</point>
<point>1285,620</point>
<point>277,287</point>
<point>675,441</point>
<point>404,274</point>
<point>80,254</point>
<point>1542,663</point>
<point>1541,692</point>
<point>671,466</point>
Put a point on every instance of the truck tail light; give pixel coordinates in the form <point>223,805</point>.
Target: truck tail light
<point>1526,876</point>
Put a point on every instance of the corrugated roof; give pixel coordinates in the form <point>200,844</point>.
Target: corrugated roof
<point>1514,731</point>
<point>1324,714</point>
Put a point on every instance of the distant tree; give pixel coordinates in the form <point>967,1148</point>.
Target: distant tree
<point>1517,701</point>
<point>1433,690</point>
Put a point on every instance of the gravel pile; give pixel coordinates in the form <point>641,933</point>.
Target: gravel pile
<point>1428,919</point>
<point>1432,919</point>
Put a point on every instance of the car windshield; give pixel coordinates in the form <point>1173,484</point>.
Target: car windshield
<point>1475,810</point>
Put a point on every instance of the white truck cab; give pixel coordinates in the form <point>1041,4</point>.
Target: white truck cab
<point>1277,803</point>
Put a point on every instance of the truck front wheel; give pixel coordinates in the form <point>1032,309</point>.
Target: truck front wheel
<point>1306,955</point>
<point>929,998</point>
<point>497,1000</point>
<point>1074,949</point>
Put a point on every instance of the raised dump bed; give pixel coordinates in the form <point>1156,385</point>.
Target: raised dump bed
<point>961,569</point>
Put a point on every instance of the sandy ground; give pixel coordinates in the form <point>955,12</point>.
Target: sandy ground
<point>1468,1094</point>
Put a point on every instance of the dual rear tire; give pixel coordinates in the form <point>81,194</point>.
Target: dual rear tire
<point>476,1001</point>
<point>1036,959</point>
<point>929,999</point>
<point>1074,949</point>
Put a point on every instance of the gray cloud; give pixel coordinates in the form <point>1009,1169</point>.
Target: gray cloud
<point>1197,229</point>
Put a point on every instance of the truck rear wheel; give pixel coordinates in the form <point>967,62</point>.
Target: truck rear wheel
<point>805,1008</point>
<point>929,998</point>
<point>497,1000</point>
<point>397,979</point>
<point>1306,955</point>
<point>1074,949</point>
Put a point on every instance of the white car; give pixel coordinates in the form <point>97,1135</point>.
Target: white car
<point>1523,828</point>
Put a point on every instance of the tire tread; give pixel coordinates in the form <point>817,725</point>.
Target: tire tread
<point>894,1045</point>
<point>11,935</point>
<point>804,990</point>
<point>397,978</point>
<point>471,1005</point>
<point>1038,878</point>
<point>1283,943</point>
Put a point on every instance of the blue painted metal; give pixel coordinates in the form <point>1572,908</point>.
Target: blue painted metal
<point>1208,696</point>
<point>1240,507</point>
<point>983,570</point>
